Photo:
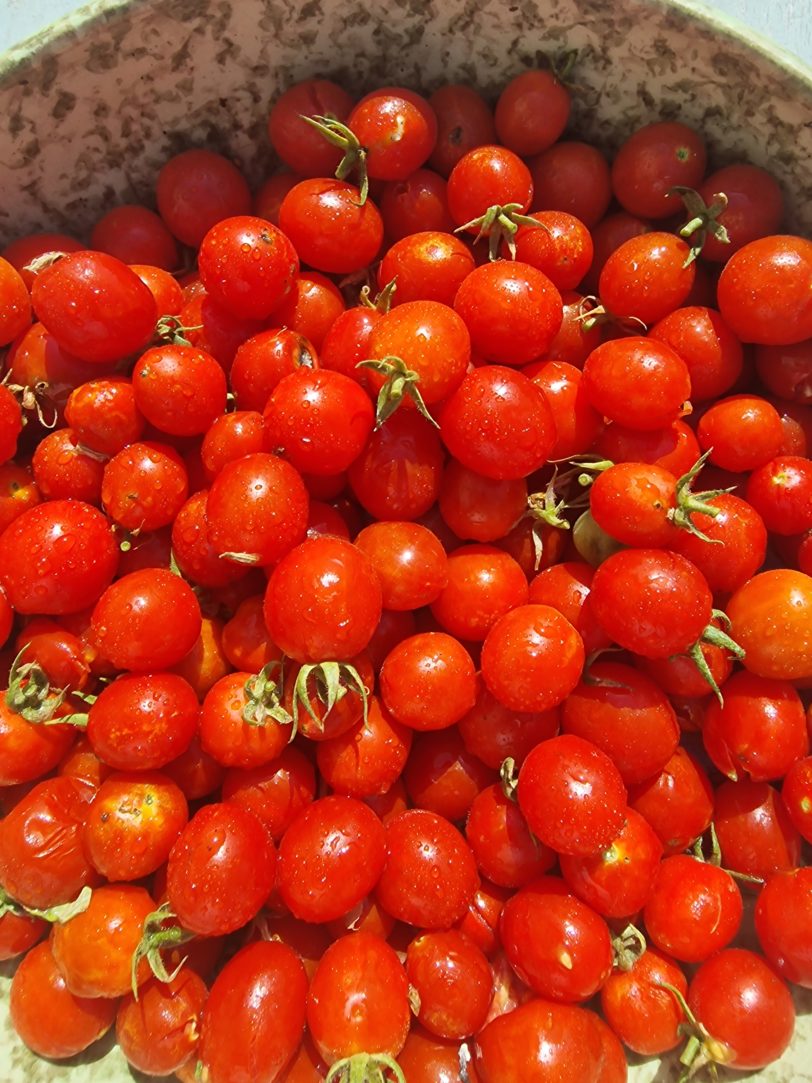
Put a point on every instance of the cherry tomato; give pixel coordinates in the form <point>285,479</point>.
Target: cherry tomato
<point>247,265</point>
<point>159,1032</point>
<point>782,920</point>
<point>198,188</point>
<point>298,144</point>
<point>645,1016</point>
<point>769,620</point>
<point>652,161</point>
<point>180,390</point>
<point>329,227</point>
<point>427,681</point>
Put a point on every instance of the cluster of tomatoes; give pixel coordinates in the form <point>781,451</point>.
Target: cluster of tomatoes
<point>406,598</point>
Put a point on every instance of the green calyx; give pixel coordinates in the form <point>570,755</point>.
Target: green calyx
<point>263,697</point>
<point>383,301</point>
<point>330,682</point>
<point>30,695</point>
<point>500,223</point>
<point>158,936</point>
<point>688,503</point>
<point>703,220</point>
<point>717,637</point>
<point>54,915</point>
<point>365,1068</point>
<point>354,158</point>
<point>171,330</point>
<point>399,381</point>
<point>702,1049</point>
<point>627,947</point>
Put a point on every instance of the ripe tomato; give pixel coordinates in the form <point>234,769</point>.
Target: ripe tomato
<point>300,146</point>
<point>329,226</point>
<point>511,310</point>
<point>615,385</point>
<point>256,509</point>
<point>532,658</point>
<point>94,949</point>
<point>464,121</point>
<point>47,1016</point>
<point>146,621</point>
<point>323,601</point>
<point>572,795</point>
<point>505,850</point>
<point>694,909</point>
<point>358,1000</point>
<point>756,834</point>
<point>427,681</point>
<point>135,234</point>
<point>764,291</point>
<point>744,1006</point>
<point>769,617</point>
<point>409,561</point>
<point>220,871</point>
<point>255,1014</point>
<point>453,981</point>
<point>498,423</point>
<point>57,558</point>
<point>782,921</point>
<point>180,390</point>
<point>330,858</point>
<point>247,265</point>
<point>572,176</point>
<point>95,306</point>
<point>430,874</point>
<point>159,1032</point>
<point>540,1040</point>
<point>645,1016</point>
<point>198,188</point>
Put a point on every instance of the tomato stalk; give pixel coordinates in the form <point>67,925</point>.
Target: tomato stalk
<point>333,680</point>
<point>701,1049</point>
<point>30,695</point>
<point>263,695</point>
<point>627,947</point>
<point>689,503</point>
<point>157,937</point>
<point>703,220</point>
<point>365,1068</point>
<point>400,380</point>
<point>355,156</point>
<point>500,224</point>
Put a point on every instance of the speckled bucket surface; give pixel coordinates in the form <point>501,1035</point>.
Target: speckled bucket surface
<point>90,109</point>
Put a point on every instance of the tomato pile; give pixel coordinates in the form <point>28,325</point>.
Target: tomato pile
<point>407,605</point>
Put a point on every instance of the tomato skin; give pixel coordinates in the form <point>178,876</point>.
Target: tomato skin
<point>453,980</point>
<point>323,601</point>
<point>540,1040</point>
<point>275,792</point>
<point>625,714</point>
<point>197,188</point>
<point>708,347</point>
<point>19,933</point>
<point>618,881</point>
<point>329,228</point>
<point>42,860</point>
<point>257,505</point>
<point>110,314</point>
<point>247,265</point>
<point>427,681</point>
<point>221,870</point>
<point>141,722</point>
<point>651,601</point>
<point>532,658</point>
<point>759,732</point>
<point>744,1005</point>
<point>572,795</point>
<point>94,949</point>
<point>358,999</point>
<point>556,943</point>
<point>677,802</point>
<point>764,291</point>
<point>132,824</point>
<point>646,277</point>
<point>782,918</point>
<point>330,857</point>
<point>29,750</point>
<point>254,1016</point>
<point>654,159</point>
<point>159,1032</point>
<point>770,619</point>
<point>368,759</point>
<point>179,389</point>
<point>615,385</point>
<point>532,112</point>
<point>755,831</point>
<point>498,423</point>
<point>144,486</point>
<point>409,560</point>
<point>511,310</point>
<point>464,121</point>
<point>430,874</point>
<point>51,1020</point>
<point>318,420</point>
<point>397,128</point>
<point>57,558</point>
<point>131,625</point>
<point>693,910</point>
<point>645,1017</point>
<point>573,177</point>
<point>301,147</point>
<point>398,474</point>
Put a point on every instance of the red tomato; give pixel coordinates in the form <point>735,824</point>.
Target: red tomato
<point>227,851</point>
<point>159,1032</point>
<point>255,1014</point>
